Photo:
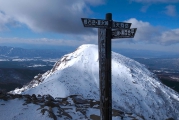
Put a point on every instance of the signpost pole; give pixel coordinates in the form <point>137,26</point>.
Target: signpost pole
<point>108,94</point>
<point>104,45</point>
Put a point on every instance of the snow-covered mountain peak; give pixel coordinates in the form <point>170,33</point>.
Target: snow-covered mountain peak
<point>82,52</point>
<point>134,88</point>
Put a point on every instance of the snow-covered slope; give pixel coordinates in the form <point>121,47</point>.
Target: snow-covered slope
<point>134,88</point>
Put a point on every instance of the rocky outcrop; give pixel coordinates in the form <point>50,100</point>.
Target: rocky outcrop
<point>65,108</point>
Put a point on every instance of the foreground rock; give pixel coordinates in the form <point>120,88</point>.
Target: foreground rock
<point>73,107</point>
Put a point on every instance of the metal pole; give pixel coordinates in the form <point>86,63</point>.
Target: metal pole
<point>104,45</point>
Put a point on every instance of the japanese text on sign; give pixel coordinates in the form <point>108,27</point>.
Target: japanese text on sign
<point>124,33</point>
<point>95,22</point>
<point>121,25</point>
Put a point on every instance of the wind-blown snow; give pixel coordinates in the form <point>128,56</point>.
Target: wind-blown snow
<point>134,88</point>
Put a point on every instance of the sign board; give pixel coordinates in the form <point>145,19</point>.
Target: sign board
<point>98,23</point>
<point>119,25</point>
<point>124,33</point>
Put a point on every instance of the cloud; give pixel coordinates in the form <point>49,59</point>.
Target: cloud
<point>74,41</point>
<point>152,34</point>
<point>3,20</point>
<point>156,1</point>
<point>171,10</point>
<point>169,37</point>
<point>145,31</point>
<point>144,8</point>
<point>60,16</point>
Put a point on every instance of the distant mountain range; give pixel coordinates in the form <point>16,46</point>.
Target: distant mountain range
<point>132,53</point>
<point>11,52</point>
<point>134,88</point>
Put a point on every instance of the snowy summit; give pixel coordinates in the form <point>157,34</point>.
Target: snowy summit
<point>134,88</point>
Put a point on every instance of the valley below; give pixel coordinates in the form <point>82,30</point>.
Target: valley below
<point>15,74</point>
<point>167,70</point>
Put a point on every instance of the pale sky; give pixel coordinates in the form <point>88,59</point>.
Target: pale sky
<point>55,23</point>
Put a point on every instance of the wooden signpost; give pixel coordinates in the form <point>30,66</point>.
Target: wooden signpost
<point>107,30</point>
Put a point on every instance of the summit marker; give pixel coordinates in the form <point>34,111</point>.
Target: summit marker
<point>107,30</point>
